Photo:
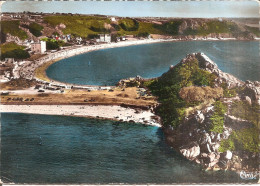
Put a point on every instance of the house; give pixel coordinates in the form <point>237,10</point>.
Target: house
<point>9,60</point>
<point>104,38</point>
<point>38,47</point>
<point>113,19</point>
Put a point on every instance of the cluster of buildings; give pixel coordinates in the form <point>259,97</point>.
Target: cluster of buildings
<point>23,16</point>
<point>65,38</point>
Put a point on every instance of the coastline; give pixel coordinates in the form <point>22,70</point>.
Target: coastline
<point>37,69</point>
<point>111,112</point>
<point>44,62</point>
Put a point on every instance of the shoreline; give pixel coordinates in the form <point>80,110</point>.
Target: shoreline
<point>51,58</point>
<point>37,69</point>
<point>111,112</point>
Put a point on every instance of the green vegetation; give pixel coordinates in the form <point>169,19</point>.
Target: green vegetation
<point>129,24</point>
<point>52,44</point>
<point>9,47</point>
<point>35,29</point>
<point>245,139</point>
<point>170,28</point>
<point>254,30</point>
<point>12,50</point>
<point>12,27</point>
<point>143,34</point>
<point>232,92</point>
<point>168,86</point>
<point>229,93</point>
<point>79,25</point>
<point>243,110</point>
<point>143,27</point>
<point>85,25</point>
<point>212,26</point>
<point>217,118</point>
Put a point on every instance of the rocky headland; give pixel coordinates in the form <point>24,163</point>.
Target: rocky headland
<point>209,116</point>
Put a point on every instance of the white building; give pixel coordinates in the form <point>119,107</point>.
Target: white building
<point>38,47</point>
<point>113,19</point>
<point>104,38</point>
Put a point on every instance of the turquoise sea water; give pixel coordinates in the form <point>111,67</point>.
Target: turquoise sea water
<point>62,149</point>
<point>108,66</point>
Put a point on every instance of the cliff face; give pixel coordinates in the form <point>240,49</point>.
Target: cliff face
<point>220,133</point>
<point>194,139</point>
<point>214,28</point>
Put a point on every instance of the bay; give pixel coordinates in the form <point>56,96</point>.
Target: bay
<point>108,66</point>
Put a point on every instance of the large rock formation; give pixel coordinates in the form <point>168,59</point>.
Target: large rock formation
<point>251,91</point>
<point>207,64</point>
<point>195,140</point>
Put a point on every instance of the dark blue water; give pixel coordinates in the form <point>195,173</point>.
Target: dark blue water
<point>108,66</point>
<point>61,149</point>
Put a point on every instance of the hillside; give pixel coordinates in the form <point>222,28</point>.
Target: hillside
<point>86,26</point>
<point>59,30</point>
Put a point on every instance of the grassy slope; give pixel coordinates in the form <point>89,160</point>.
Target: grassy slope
<point>254,30</point>
<point>12,27</point>
<point>78,25</point>
<point>87,25</point>
<point>9,47</point>
<point>245,139</point>
<point>12,50</point>
<point>35,29</point>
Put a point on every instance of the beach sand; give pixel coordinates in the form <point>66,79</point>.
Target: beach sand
<point>112,112</point>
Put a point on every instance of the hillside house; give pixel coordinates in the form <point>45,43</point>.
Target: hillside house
<point>38,47</point>
<point>113,19</point>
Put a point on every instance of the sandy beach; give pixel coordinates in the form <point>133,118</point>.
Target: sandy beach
<point>117,113</point>
<point>27,70</point>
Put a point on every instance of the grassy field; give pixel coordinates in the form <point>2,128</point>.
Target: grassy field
<point>9,47</point>
<point>35,29</point>
<point>18,84</point>
<point>254,30</point>
<point>12,27</point>
<point>143,28</point>
<point>79,25</point>
<point>12,50</point>
<point>103,97</point>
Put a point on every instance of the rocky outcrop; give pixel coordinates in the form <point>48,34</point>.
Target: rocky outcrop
<point>191,27</point>
<point>10,38</point>
<point>207,64</point>
<point>251,92</point>
<point>194,137</point>
<point>194,140</point>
